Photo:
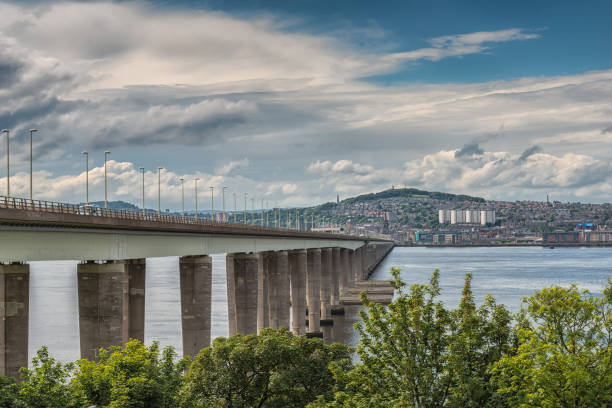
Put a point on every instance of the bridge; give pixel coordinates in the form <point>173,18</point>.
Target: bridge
<point>275,276</point>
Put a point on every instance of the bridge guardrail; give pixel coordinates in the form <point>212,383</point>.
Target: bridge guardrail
<point>94,211</point>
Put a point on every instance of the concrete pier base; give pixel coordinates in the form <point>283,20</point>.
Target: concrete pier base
<point>14,318</point>
<point>336,278</point>
<point>297,272</point>
<point>357,265</point>
<point>263,285</point>
<point>326,286</point>
<point>111,304</point>
<point>313,289</point>
<point>278,289</point>
<point>196,302</point>
<point>242,292</point>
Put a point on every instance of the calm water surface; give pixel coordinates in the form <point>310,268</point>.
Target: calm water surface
<point>509,274</point>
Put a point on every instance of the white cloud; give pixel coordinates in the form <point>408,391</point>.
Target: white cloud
<point>494,175</point>
<point>229,167</point>
<point>462,44</point>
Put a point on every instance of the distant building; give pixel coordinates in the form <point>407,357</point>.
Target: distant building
<point>487,217</point>
<point>482,217</point>
<point>444,216</point>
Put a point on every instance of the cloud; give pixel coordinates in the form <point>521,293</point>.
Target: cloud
<point>229,167</point>
<point>494,175</point>
<point>281,188</point>
<point>493,172</point>
<point>469,149</point>
<point>529,151</point>
<point>462,44</point>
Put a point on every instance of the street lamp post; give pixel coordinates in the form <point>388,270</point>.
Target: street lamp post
<point>262,212</point>
<point>267,215</point>
<point>183,198</point>
<point>212,203</point>
<point>253,209</point>
<point>245,208</point>
<point>142,169</point>
<point>235,206</point>
<point>196,198</point>
<point>31,159</point>
<point>8,163</point>
<point>159,169</point>
<point>223,202</point>
<point>106,153</point>
<point>86,177</point>
<point>277,216</point>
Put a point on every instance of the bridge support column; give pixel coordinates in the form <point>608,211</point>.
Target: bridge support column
<point>278,289</point>
<point>196,302</point>
<point>326,286</point>
<point>370,259</point>
<point>337,277</point>
<point>313,290</point>
<point>357,264</point>
<point>297,271</point>
<point>242,292</point>
<point>346,270</point>
<point>263,287</point>
<point>14,314</point>
<point>111,304</point>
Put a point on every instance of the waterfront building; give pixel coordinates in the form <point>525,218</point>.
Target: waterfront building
<point>487,217</point>
<point>444,216</point>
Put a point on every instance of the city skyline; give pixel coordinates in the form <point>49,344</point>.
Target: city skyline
<point>297,104</point>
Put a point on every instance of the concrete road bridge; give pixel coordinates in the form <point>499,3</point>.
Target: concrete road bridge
<point>272,273</point>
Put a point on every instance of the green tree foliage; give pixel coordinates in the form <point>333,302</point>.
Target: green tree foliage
<point>130,376</point>
<point>8,392</point>
<point>416,353</point>
<point>564,353</point>
<point>274,369</point>
<point>44,386</point>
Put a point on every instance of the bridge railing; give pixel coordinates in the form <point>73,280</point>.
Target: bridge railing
<point>95,211</point>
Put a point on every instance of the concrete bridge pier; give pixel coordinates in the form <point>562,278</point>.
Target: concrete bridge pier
<point>346,271</point>
<point>278,291</point>
<point>297,271</point>
<point>263,285</point>
<point>337,278</point>
<point>242,291</point>
<point>14,314</point>
<point>196,302</point>
<point>357,264</point>
<point>326,286</point>
<point>111,304</point>
<point>369,259</point>
<point>313,290</point>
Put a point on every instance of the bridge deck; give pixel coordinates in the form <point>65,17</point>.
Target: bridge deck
<point>35,213</point>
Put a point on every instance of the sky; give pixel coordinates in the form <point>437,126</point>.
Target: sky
<point>297,102</point>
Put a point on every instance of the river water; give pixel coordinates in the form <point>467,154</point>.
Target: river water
<point>509,274</point>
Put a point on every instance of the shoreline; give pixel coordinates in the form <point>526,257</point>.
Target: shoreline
<point>547,245</point>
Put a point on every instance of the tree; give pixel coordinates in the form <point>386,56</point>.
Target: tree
<point>564,352</point>
<point>9,392</point>
<point>130,376</point>
<point>273,369</point>
<point>416,353</point>
<point>45,385</point>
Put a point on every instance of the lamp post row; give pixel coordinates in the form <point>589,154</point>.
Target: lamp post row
<point>159,169</point>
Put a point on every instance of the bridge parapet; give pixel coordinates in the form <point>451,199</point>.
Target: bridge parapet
<point>21,211</point>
